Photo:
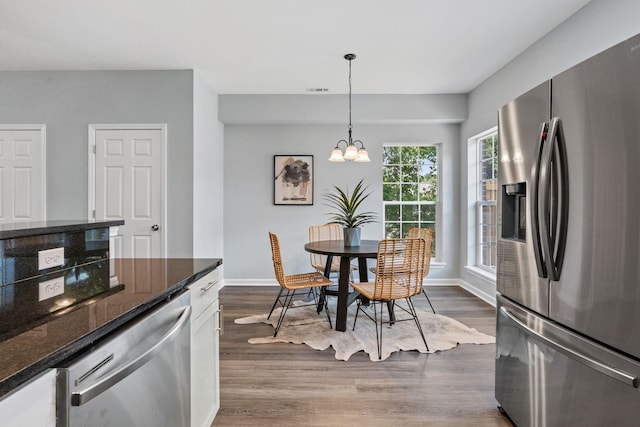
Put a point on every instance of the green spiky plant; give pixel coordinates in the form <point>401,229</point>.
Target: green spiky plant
<point>346,206</point>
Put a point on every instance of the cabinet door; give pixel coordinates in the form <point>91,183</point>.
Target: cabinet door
<point>205,387</point>
<point>31,405</point>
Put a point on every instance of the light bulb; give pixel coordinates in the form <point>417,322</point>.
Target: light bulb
<point>363,156</point>
<point>351,153</point>
<point>336,155</point>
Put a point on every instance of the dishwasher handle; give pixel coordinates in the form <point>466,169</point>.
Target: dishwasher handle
<point>81,397</point>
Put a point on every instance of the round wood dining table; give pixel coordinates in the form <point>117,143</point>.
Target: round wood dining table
<point>331,248</point>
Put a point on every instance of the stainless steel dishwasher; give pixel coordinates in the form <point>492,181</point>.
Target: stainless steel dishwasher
<point>138,377</point>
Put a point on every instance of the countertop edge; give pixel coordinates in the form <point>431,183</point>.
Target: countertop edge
<point>54,359</point>
<point>51,227</point>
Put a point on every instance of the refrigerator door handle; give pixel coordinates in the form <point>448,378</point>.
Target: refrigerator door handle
<point>544,203</point>
<point>552,191</point>
<point>535,200</point>
<point>558,238</point>
<point>553,213</point>
<point>610,371</point>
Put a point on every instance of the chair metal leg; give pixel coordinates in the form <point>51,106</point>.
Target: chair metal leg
<point>287,301</point>
<point>355,318</point>
<point>326,305</point>
<point>412,309</point>
<point>314,295</point>
<point>375,320</point>
<point>391,309</point>
<point>428,300</point>
<point>323,299</point>
<point>378,335</point>
<point>275,302</point>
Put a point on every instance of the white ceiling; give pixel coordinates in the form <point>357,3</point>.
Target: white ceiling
<point>282,46</point>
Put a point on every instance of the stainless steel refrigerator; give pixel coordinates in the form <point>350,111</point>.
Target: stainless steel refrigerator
<point>568,273</point>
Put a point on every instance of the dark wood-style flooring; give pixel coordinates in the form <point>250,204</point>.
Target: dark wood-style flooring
<point>294,385</point>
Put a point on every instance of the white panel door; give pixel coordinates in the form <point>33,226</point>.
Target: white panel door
<point>22,174</point>
<point>129,185</point>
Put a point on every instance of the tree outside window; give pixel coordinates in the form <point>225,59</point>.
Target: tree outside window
<point>487,201</point>
<point>410,188</point>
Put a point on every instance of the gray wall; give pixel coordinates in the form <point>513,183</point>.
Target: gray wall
<point>68,101</point>
<point>248,202</point>
<point>599,25</point>
<point>256,127</point>
<point>208,176</point>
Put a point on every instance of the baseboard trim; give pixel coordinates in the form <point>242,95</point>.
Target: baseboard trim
<point>252,282</point>
<point>480,293</point>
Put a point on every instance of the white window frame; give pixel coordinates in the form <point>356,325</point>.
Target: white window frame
<point>474,206</point>
<point>437,260</point>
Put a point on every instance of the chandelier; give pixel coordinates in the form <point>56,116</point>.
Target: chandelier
<point>351,151</point>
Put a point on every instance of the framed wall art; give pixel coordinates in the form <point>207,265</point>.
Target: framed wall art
<point>293,183</point>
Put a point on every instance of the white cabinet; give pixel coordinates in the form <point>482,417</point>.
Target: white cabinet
<point>206,321</point>
<point>33,404</point>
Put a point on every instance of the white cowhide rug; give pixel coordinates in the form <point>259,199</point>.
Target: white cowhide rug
<point>302,325</point>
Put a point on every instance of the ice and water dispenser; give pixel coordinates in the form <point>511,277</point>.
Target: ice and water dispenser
<point>514,211</point>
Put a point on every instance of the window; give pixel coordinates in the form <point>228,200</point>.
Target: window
<point>410,188</point>
<point>487,196</point>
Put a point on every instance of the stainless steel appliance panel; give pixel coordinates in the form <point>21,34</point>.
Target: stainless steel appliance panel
<point>139,377</point>
<point>551,377</point>
<point>598,102</point>
<point>519,124</point>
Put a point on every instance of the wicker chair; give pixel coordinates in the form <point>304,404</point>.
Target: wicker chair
<point>326,232</point>
<point>427,235</point>
<point>291,283</point>
<point>399,274</point>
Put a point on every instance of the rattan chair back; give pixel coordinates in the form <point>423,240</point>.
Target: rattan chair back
<point>325,232</point>
<point>399,268</point>
<point>291,283</point>
<point>277,260</point>
<point>426,234</point>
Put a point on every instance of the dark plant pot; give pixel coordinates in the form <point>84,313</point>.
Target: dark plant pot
<point>352,236</point>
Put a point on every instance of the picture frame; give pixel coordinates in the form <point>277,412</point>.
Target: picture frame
<point>293,184</point>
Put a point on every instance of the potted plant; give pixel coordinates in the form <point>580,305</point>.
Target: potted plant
<point>346,205</point>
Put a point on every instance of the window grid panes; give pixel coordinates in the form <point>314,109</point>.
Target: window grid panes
<point>410,189</point>
<point>487,201</point>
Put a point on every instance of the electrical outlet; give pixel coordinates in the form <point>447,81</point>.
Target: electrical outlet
<point>50,288</point>
<point>50,258</point>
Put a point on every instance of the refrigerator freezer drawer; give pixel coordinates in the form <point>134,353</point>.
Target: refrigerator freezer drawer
<point>548,376</point>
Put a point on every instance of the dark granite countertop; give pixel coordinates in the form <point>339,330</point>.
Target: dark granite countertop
<point>23,229</point>
<point>143,283</point>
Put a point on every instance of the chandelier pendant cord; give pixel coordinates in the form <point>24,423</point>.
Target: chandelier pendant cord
<point>352,152</point>
<point>350,101</point>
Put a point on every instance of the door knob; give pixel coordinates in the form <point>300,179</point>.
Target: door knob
<point>155,227</point>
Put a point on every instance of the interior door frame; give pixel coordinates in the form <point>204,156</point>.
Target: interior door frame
<point>163,171</point>
<point>42,128</point>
